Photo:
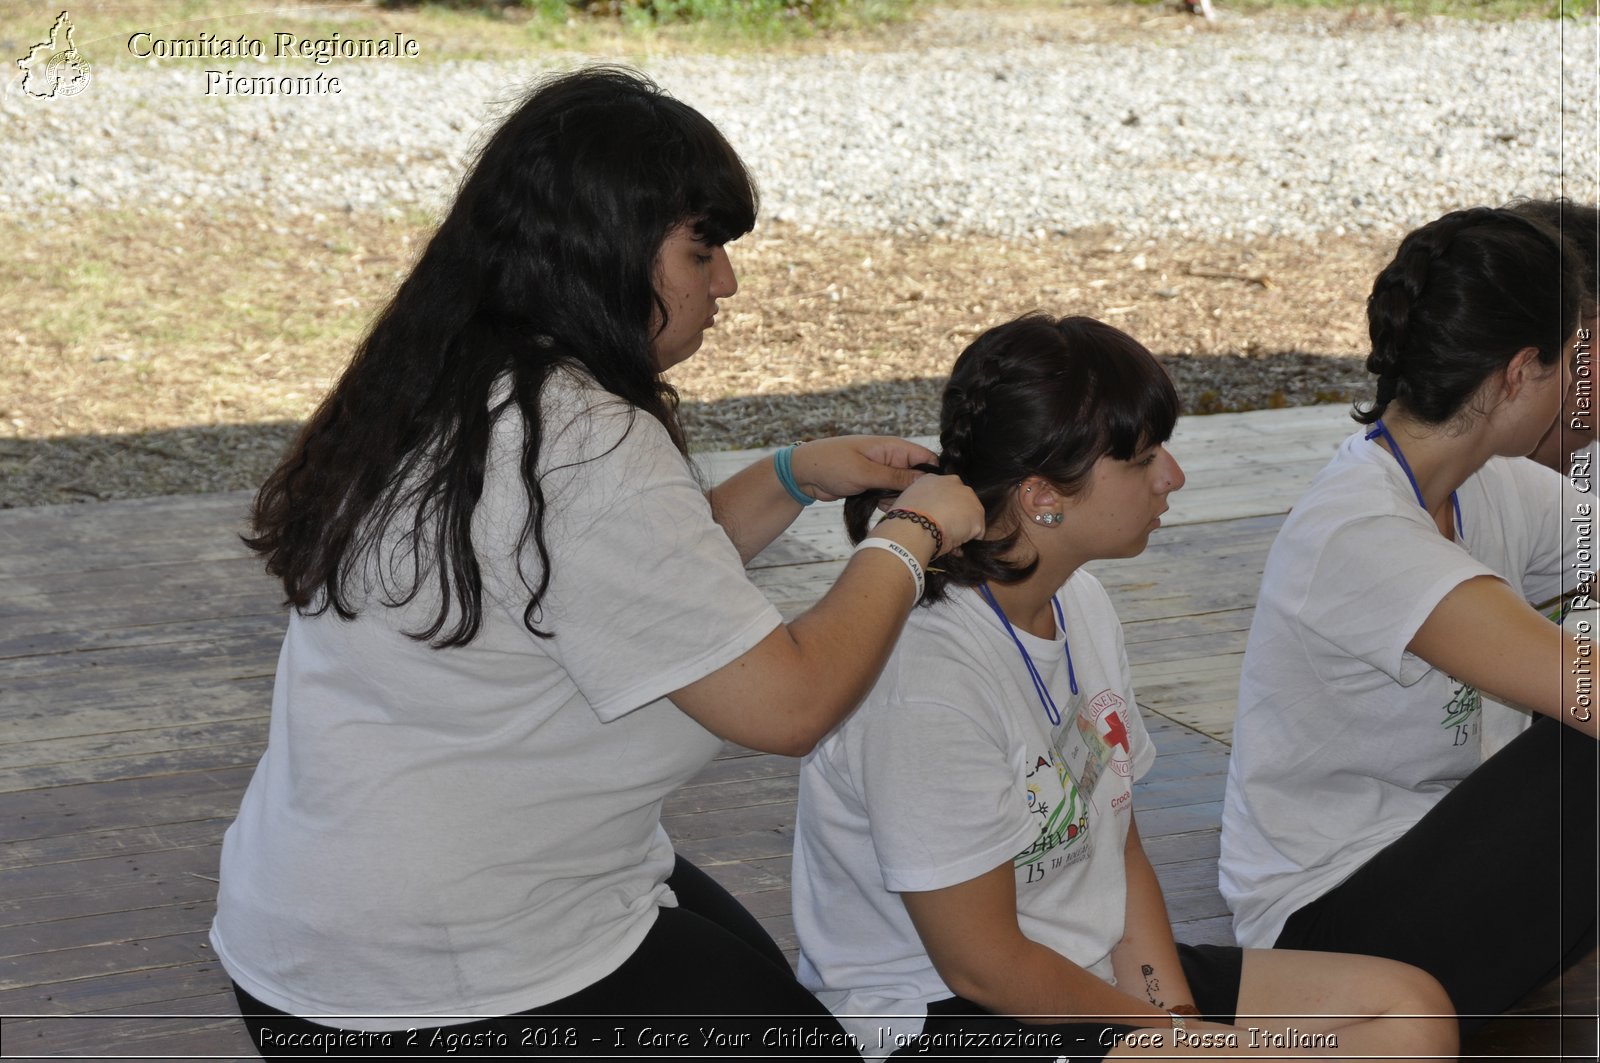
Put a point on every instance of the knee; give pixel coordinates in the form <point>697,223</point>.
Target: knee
<point>1415,995</point>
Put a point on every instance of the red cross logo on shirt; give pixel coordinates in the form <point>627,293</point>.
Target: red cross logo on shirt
<point>1116,734</point>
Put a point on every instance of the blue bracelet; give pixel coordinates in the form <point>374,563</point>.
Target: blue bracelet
<point>783,462</point>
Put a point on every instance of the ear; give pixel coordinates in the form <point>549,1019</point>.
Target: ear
<point>1523,369</point>
<point>1036,496</point>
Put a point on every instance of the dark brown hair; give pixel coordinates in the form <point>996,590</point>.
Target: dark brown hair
<point>545,259</point>
<point>1461,297</point>
<point>1038,396</point>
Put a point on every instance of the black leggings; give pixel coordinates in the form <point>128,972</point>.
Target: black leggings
<point>1491,892</point>
<point>707,980</point>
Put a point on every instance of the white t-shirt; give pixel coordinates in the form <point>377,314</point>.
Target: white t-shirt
<point>949,770</point>
<point>476,831</point>
<point>1343,739</point>
<point>1501,723</point>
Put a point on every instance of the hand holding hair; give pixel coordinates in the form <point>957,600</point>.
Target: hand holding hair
<point>947,502</point>
<point>841,466</point>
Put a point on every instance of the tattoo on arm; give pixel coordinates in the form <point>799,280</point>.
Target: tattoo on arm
<point>1152,985</point>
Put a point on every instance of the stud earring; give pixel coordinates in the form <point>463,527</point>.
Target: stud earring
<point>1049,520</point>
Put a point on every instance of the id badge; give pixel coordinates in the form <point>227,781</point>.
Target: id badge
<point>1085,753</point>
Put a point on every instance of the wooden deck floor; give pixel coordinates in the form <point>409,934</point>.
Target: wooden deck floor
<point>137,646</point>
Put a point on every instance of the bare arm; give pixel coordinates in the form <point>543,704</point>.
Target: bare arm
<point>791,688</point>
<point>754,509</point>
<point>1484,634</point>
<point>1146,959</point>
<point>971,933</point>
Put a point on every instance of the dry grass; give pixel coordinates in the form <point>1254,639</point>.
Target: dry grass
<point>150,354</point>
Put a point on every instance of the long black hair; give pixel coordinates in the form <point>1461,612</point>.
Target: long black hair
<point>1461,297</point>
<point>1038,396</point>
<point>545,258</point>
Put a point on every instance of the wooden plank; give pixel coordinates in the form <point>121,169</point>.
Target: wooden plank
<point>78,634</point>
<point>197,1034</point>
<point>741,769</point>
<point>120,803</point>
<point>108,885</point>
<point>733,796</point>
<point>713,848</point>
<point>755,877</point>
<point>133,741</point>
<point>35,968</point>
<point>129,597</point>
<point>165,989</point>
<point>218,690</point>
<point>199,757</point>
<point>131,927</point>
<point>66,849</point>
<point>1213,718</point>
<point>68,539</point>
<point>137,645</point>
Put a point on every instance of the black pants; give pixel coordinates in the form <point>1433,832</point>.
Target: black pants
<point>706,981</point>
<point>958,1027</point>
<point>1491,892</point>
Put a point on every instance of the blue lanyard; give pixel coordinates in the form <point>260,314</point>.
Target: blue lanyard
<point>1378,429</point>
<point>1039,687</point>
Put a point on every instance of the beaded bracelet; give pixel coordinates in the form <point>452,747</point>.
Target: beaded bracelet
<point>923,519</point>
<point>783,462</point>
<point>873,542</point>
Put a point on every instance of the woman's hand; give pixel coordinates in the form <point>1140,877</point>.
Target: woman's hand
<point>830,469</point>
<point>949,503</point>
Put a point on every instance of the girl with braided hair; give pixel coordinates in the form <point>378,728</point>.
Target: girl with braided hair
<point>968,872</point>
<point>1360,815</point>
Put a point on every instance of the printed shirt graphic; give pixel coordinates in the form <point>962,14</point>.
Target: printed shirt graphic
<point>1081,747</point>
<point>950,769</point>
<point>1064,820</point>
<point>1463,714</point>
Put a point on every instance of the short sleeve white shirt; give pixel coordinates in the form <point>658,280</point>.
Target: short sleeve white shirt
<point>476,830</point>
<point>950,769</point>
<point>1344,739</point>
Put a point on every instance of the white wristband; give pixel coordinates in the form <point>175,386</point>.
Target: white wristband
<point>876,542</point>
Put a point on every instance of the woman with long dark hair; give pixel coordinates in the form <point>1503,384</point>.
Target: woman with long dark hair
<point>1360,814</point>
<point>518,622</point>
<point>968,876</point>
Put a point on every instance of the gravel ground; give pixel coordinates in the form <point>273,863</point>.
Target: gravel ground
<point>1262,126</point>
<point>1224,192</point>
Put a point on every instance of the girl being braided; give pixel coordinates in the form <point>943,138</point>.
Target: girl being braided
<point>1360,815</point>
<point>968,872</point>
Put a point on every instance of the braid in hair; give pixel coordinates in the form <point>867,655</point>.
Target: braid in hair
<point>1400,286</point>
<point>963,420</point>
<point>977,392</point>
<point>1038,396</point>
<point>1462,295</point>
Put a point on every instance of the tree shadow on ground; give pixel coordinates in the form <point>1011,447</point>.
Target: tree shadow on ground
<point>1205,383</point>
<point>204,459</point>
